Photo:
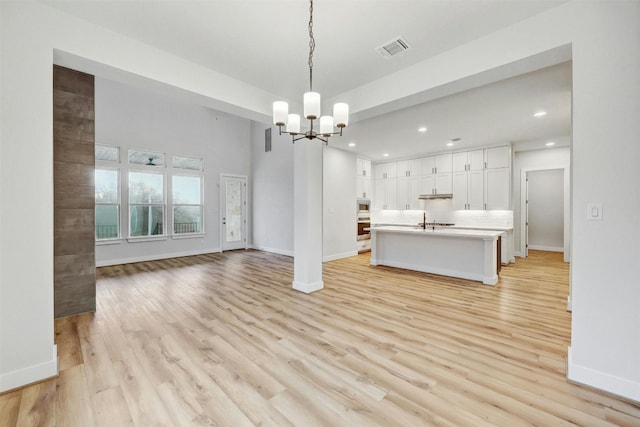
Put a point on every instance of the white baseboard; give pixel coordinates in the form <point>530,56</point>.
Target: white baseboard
<point>273,250</point>
<point>546,248</point>
<point>339,256</point>
<point>118,261</point>
<point>30,374</point>
<point>307,288</point>
<point>601,380</point>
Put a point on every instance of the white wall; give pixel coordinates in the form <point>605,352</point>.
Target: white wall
<point>546,210</point>
<point>129,117</point>
<point>272,185</point>
<point>545,159</point>
<point>339,204</point>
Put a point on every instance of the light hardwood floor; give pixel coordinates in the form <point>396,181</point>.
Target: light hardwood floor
<point>223,340</point>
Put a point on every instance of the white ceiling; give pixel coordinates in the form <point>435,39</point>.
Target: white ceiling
<point>265,44</point>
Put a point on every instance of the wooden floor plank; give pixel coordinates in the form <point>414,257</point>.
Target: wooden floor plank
<point>222,339</point>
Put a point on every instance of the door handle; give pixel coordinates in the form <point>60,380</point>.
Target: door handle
<point>224,221</point>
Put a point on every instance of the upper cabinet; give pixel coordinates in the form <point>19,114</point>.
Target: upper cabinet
<point>386,170</point>
<point>434,165</point>
<point>363,167</point>
<point>468,161</point>
<point>363,178</point>
<point>478,179</point>
<point>497,157</point>
<point>409,168</point>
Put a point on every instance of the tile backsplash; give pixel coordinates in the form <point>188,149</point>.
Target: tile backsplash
<point>440,211</point>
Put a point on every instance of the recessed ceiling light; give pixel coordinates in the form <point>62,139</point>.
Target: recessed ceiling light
<point>422,129</point>
<point>449,144</point>
<point>352,144</point>
<point>540,114</point>
<point>385,155</point>
<point>550,144</point>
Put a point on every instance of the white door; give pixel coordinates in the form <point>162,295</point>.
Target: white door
<point>233,207</point>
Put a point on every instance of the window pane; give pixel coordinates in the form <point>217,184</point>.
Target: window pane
<point>146,220</point>
<point>184,162</point>
<point>146,187</point>
<point>187,219</point>
<point>107,153</point>
<point>186,190</point>
<point>107,221</point>
<point>233,214</point>
<point>106,186</point>
<point>148,158</point>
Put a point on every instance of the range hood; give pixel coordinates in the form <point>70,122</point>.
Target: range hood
<point>435,196</point>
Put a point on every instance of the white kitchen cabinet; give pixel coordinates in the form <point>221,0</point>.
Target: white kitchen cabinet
<point>497,157</point>
<point>437,184</point>
<point>409,168</point>
<point>468,161</point>
<point>363,185</point>
<point>363,178</point>
<point>385,170</point>
<point>435,165</point>
<point>409,190</point>
<point>468,190</point>
<point>363,167</point>
<point>385,194</point>
<point>497,188</point>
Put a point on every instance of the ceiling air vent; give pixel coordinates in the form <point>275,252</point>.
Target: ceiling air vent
<point>393,47</point>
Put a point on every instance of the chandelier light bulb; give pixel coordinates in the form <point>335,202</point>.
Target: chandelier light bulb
<point>341,114</point>
<point>326,125</point>
<point>293,123</point>
<point>312,105</point>
<point>280,112</point>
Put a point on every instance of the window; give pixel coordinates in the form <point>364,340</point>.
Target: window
<point>107,196</point>
<point>147,158</point>
<point>187,204</point>
<point>186,162</point>
<point>146,204</point>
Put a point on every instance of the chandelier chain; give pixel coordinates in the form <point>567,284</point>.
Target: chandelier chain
<point>312,45</point>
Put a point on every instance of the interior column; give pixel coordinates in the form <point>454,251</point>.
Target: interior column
<point>307,215</point>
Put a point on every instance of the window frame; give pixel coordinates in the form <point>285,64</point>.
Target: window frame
<point>151,170</point>
<point>109,165</point>
<point>200,176</point>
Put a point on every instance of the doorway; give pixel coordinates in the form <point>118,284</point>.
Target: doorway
<point>545,215</point>
<point>233,207</point>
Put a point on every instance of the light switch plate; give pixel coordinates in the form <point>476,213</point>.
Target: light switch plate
<point>594,211</point>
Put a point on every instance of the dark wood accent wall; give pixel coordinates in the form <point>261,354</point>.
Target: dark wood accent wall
<point>74,200</point>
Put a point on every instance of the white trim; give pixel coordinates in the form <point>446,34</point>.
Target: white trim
<point>601,380</point>
<point>308,288</point>
<point>145,239</point>
<point>546,248</point>
<point>339,256</point>
<point>30,374</point>
<point>188,236</point>
<point>157,257</point>
<point>273,250</point>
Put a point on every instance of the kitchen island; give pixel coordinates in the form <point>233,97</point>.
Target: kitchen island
<point>467,254</point>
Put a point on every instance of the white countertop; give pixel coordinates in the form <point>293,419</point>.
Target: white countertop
<point>449,232</point>
<point>474,227</point>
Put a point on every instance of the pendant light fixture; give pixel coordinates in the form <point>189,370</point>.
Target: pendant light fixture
<point>281,116</point>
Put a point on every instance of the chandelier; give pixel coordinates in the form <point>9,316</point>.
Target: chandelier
<point>311,99</point>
